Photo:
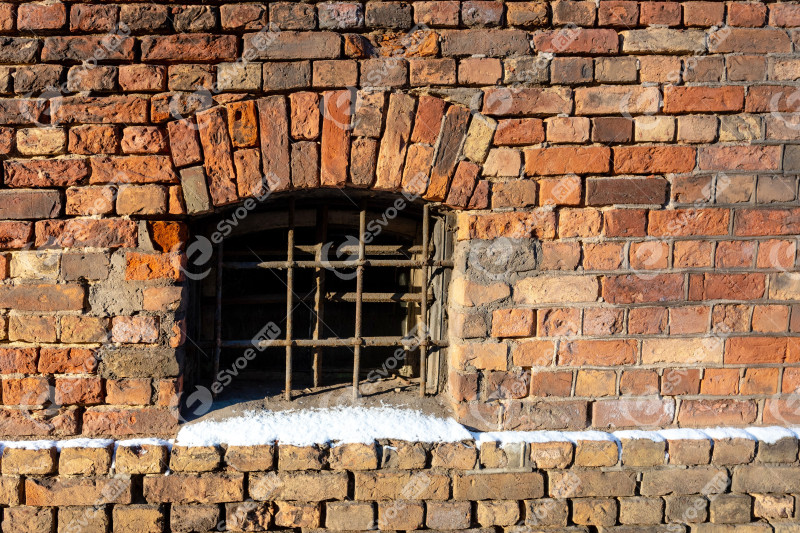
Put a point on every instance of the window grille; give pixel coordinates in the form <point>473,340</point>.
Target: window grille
<point>327,257</point>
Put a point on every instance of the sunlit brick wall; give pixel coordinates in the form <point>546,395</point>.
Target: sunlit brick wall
<point>623,173</point>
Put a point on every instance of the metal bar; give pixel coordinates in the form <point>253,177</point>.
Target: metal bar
<point>411,342</point>
<point>375,297</point>
<point>367,297</point>
<point>319,293</point>
<point>218,315</point>
<point>422,321</point>
<point>311,249</point>
<point>362,228</point>
<point>282,265</point>
<point>289,299</point>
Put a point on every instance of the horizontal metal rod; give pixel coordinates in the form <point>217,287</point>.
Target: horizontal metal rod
<point>364,341</point>
<point>375,297</point>
<point>369,297</point>
<point>311,249</point>
<point>282,265</point>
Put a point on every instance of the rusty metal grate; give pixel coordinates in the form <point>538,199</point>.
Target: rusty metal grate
<point>366,260</point>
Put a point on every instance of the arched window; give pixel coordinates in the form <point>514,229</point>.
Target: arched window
<point>323,292</point>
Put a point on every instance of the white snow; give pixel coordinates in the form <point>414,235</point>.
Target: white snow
<point>682,434</point>
<point>638,434</point>
<point>341,425</point>
<point>728,433</point>
<point>318,426</point>
<point>772,434</point>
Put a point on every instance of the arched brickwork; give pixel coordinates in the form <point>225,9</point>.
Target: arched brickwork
<point>421,145</point>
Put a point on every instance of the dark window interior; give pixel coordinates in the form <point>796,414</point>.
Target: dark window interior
<point>252,296</point>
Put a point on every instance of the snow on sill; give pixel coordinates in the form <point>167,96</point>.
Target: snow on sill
<point>364,425</point>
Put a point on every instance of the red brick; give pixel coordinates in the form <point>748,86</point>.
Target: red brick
<point>635,413</point>
<point>45,172</point>
<point>218,160</point>
<point>142,267</point>
<point>639,289</point>
<point>451,138</point>
<point>513,323</point>
<point>638,382</point>
<point>184,142</point>
<point>87,233</point>
<point>746,14</point>
<point>91,140</point>
<point>464,180</point>
<point>647,321</point>
<point>653,159</point>
<point>25,391</point>
<point>544,384</point>
<point>600,353</point>
<point>760,381</point>
<point>78,391</point>
<point>749,41</point>
<point>393,147</point>
<point>603,256</point>
<point>619,13</point>
<point>519,132</point>
<point>702,413</point>
<point>787,15</point>
<point>136,421</point>
<point>755,350</point>
<point>189,47</point>
<point>335,147</point>
<point>66,361</point>
<point>18,360</point>
<point>587,41</point>
<point>720,382</point>
<point>527,101</point>
<point>702,99</point>
<point>660,13</point>
<point>42,297</point>
<point>726,286</point>
<point>688,222</point>
<point>15,235</point>
<point>567,159</point>
<point>680,381</point>
<point>758,222</point>
<point>142,77</point>
<point>703,13</point>
<point>36,16</point>
<point>132,169</point>
<point>624,222</point>
<point>770,318</point>
<point>128,109</point>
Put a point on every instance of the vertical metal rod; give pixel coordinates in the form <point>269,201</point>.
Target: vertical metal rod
<point>319,296</point>
<point>218,316</point>
<point>422,323</point>
<point>289,299</point>
<point>362,228</point>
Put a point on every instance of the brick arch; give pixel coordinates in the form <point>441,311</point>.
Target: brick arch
<point>416,144</point>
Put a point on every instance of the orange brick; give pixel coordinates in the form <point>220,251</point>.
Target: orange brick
<point>533,353</point>
<point>720,381</point>
<point>597,352</point>
<point>513,323</point>
<point>596,383</point>
<point>760,381</point>
<point>603,255</point>
<point>649,255</point>
<point>647,321</point>
<point>770,318</point>
<point>692,319</point>
<point>692,254</point>
<point>679,381</point>
<point>735,254</point>
<point>545,384</point>
<point>603,321</point>
<point>560,191</point>
<point>638,382</point>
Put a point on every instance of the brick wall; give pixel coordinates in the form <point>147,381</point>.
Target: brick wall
<point>624,175</point>
<point>625,486</point>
